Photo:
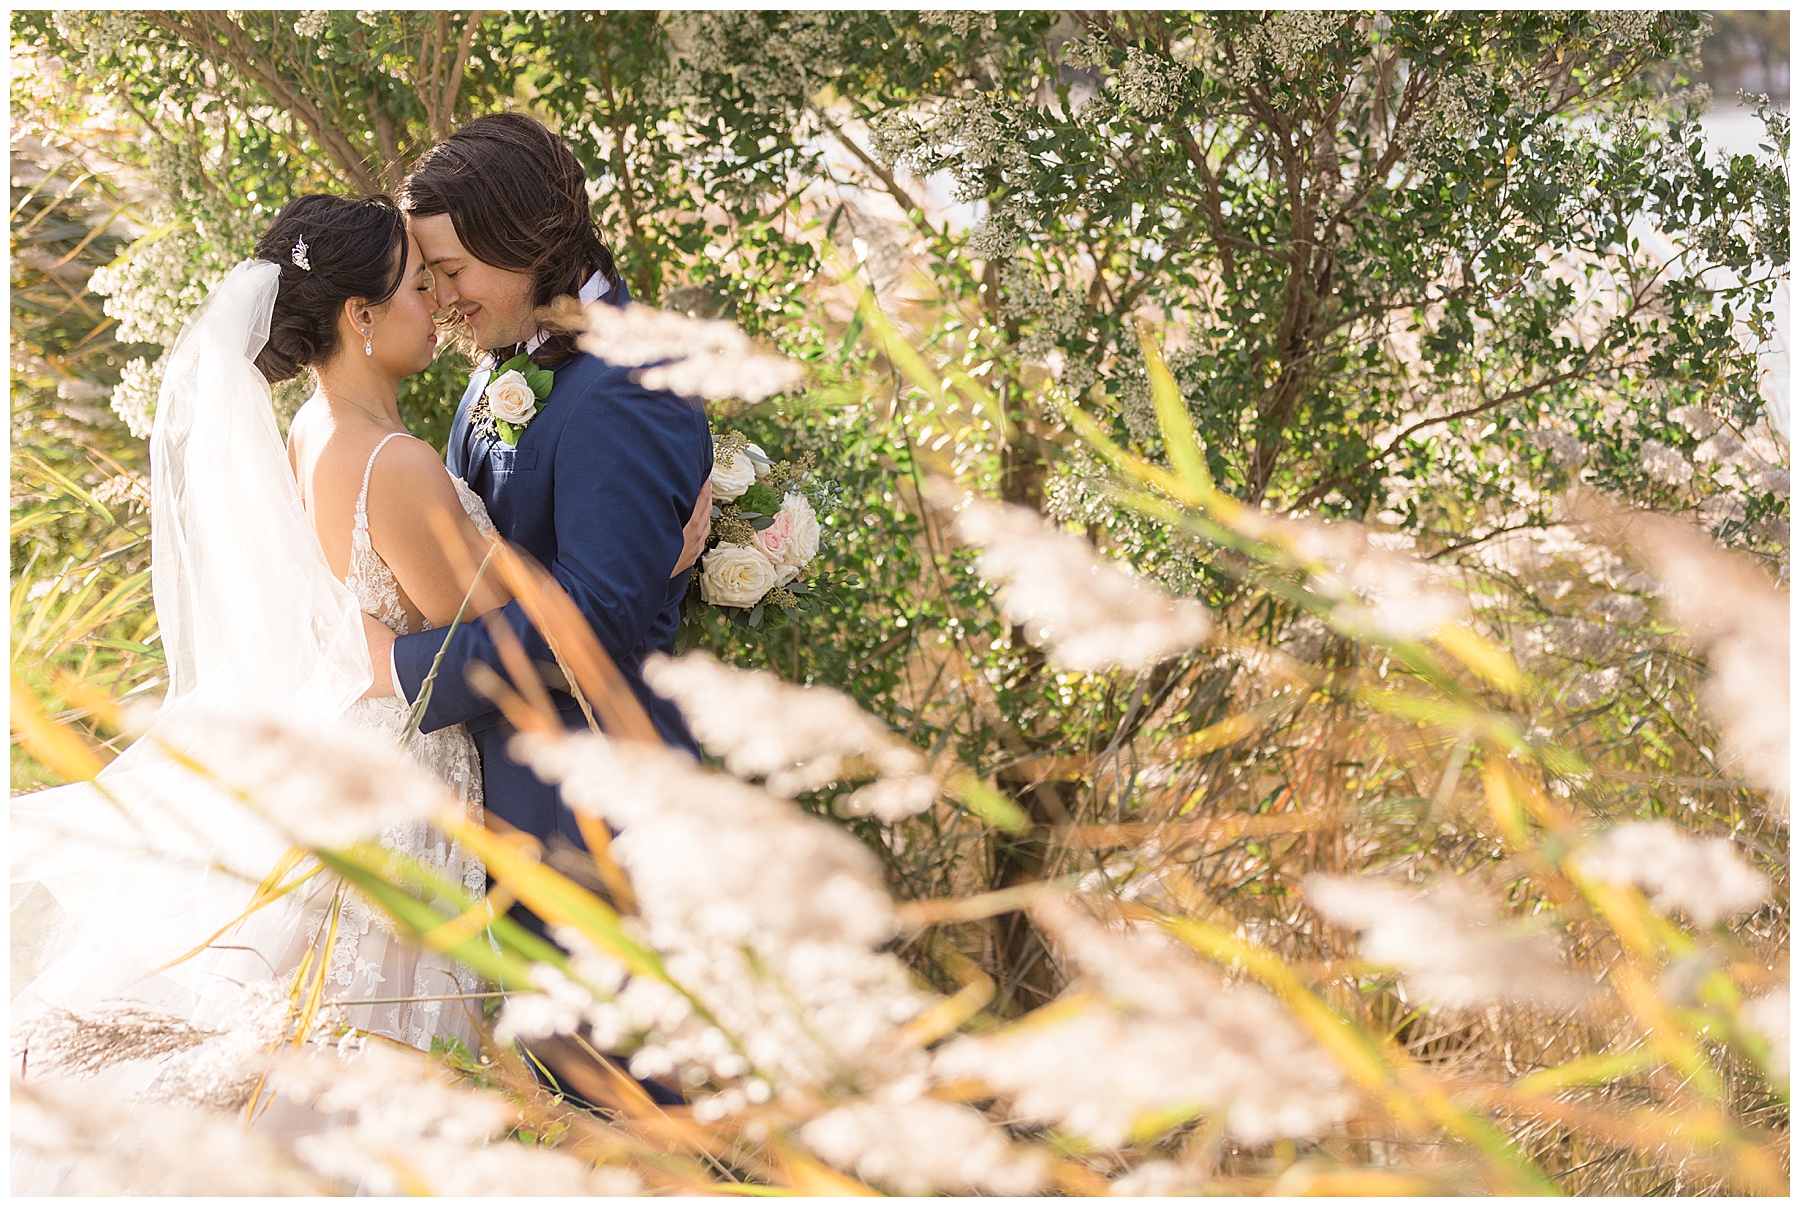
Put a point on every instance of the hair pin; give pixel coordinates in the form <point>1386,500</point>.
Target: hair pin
<point>299,256</point>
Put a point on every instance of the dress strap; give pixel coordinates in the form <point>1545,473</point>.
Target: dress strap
<point>362,500</point>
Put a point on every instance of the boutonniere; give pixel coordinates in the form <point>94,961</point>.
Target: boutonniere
<point>511,399</point>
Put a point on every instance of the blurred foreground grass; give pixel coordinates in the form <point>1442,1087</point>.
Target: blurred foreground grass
<point>1373,907</point>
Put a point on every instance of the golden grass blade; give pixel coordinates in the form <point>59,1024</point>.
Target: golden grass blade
<point>57,746</point>
<point>556,617</point>
<point>555,898</point>
<point>1180,440</point>
<point>1216,829</point>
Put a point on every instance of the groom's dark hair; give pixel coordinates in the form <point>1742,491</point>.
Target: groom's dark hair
<point>517,197</point>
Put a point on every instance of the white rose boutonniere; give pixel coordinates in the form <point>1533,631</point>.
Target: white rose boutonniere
<point>510,402</point>
<point>510,398</point>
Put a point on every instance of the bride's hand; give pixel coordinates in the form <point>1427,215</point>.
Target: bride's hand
<point>381,657</point>
<point>695,531</point>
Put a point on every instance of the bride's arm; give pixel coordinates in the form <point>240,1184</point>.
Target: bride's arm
<point>411,502</point>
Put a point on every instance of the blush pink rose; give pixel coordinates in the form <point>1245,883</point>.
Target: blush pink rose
<point>777,537</point>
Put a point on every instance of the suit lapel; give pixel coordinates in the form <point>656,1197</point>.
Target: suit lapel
<point>474,446</point>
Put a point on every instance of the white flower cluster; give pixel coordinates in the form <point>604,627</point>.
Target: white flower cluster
<point>775,59</point>
<point>399,1124</point>
<point>311,22</point>
<point>1078,489</point>
<point>1729,606</point>
<point>1449,943</point>
<point>799,738</point>
<point>85,1141</point>
<point>1162,1032</point>
<point>129,490</point>
<point>95,35</point>
<point>769,918</point>
<point>1705,878</point>
<point>153,290</point>
<point>1617,608</point>
<point>134,398</point>
<point>1771,1016</point>
<point>1148,83</point>
<point>1053,315</point>
<point>996,236</point>
<point>898,139</point>
<point>1699,421</point>
<point>1380,588</point>
<point>917,1145</point>
<point>1569,637</point>
<point>704,358</point>
<point>1086,612</point>
<point>323,785</point>
<point>977,134</point>
<point>1155,1179</point>
<point>1566,451</point>
<point>1288,40</point>
<point>1625,30</point>
<point>1664,464</point>
<point>386,1089</point>
<point>1592,688</point>
<point>962,22</point>
<point>1722,448</point>
<point>1459,113</point>
<point>372,1117</point>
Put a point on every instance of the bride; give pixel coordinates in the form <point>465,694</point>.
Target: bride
<point>266,567</point>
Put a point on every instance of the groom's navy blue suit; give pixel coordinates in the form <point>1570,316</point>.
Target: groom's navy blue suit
<point>598,489</point>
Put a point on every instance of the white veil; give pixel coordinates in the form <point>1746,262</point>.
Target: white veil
<point>114,879</point>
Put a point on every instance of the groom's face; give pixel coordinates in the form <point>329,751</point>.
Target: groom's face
<point>494,302</point>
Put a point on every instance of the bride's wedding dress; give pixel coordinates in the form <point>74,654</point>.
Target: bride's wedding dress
<point>116,883</point>
<point>366,963</point>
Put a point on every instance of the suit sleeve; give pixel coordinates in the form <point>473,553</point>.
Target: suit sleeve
<point>625,478</point>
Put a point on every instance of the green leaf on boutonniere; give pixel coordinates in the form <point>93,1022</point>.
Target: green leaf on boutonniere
<point>522,362</point>
<point>540,381</point>
<point>507,432</point>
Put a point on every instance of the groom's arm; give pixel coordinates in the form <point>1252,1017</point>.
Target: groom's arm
<point>627,468</point>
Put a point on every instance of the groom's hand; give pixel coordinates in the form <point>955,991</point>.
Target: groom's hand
<point>696,530</point>
<point>381,657</point>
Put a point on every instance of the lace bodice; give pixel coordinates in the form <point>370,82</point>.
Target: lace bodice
<point>371,581</point>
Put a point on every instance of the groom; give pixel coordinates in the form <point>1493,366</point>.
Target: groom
<point>601,480</point>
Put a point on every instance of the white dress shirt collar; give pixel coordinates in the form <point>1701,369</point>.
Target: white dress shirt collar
<point>596,288</point>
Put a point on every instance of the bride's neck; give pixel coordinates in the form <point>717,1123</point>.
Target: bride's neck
<point>354,384</point>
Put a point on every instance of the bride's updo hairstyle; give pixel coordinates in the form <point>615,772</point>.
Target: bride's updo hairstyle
<point>355,247</point>
<point>517,197</point>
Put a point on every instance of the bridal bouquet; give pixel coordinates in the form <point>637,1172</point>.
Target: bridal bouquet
<point>765,533</point>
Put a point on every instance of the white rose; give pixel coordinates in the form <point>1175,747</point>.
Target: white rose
<point>736,576</point>
<point>510,398</point>
<point>731,481</point>
<point>803,532</point>
<point>759,462</point>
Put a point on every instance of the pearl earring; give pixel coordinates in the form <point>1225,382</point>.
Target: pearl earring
<point>369,343</point>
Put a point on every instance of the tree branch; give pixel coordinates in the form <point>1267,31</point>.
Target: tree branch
<point>915,213</point>
<point>245,59</point>
<point>453,83</point>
